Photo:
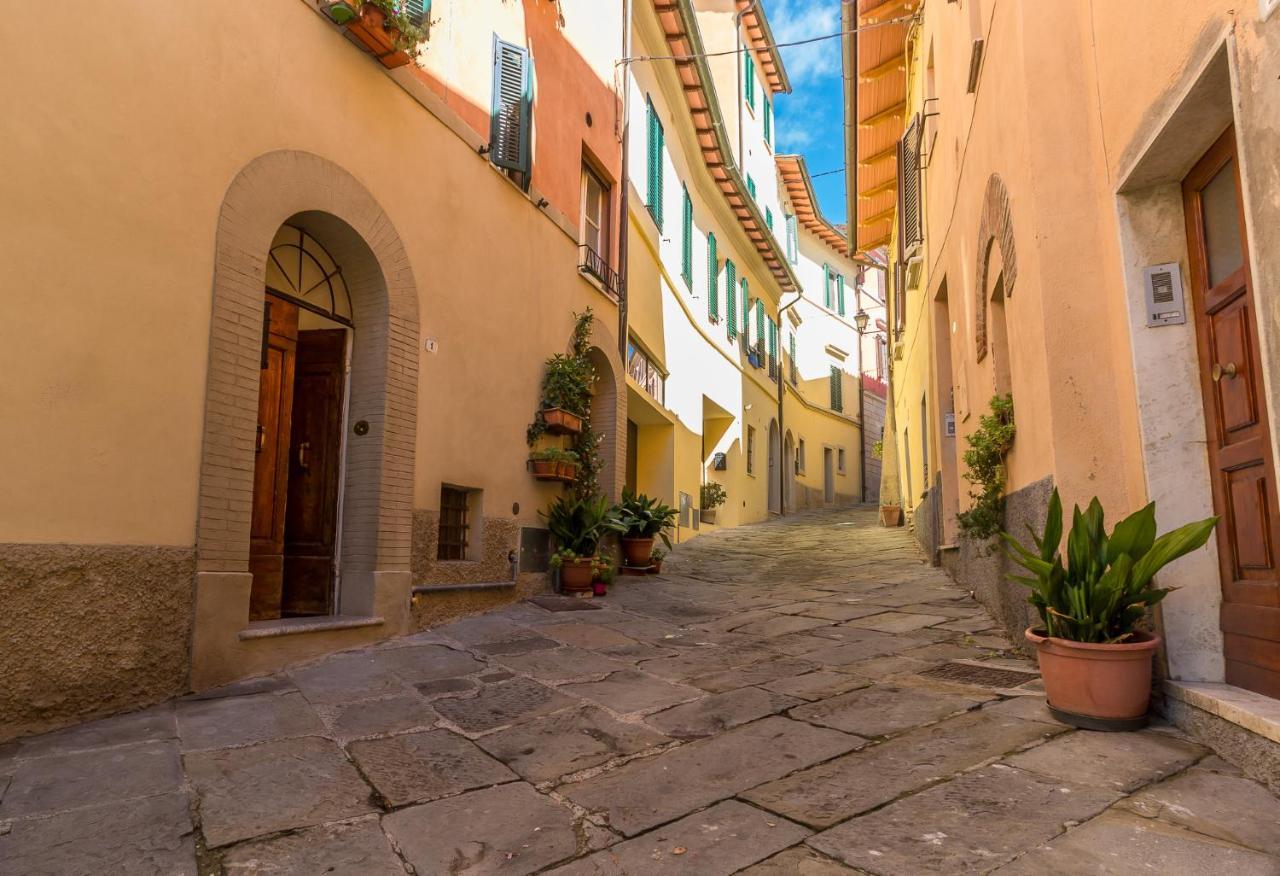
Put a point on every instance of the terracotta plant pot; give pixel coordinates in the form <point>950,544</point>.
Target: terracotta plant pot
<point>707,515</point>
<point>568,471</point>
<point>890,515</point>
<point>575,576</point>
<point>371,30</point>
<point>561,422</point>
<point>1097,687</point>
<point>545,469</point>
<point>655,567</point>
<point>636,551</point>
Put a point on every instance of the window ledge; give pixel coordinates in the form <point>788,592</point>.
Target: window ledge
<point>296,626</point>
<point>1254,712</point>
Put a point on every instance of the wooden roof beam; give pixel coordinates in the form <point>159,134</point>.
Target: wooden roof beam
<point>896,110</point>
<point>878,217</point>
<point>890,151</point>
<point>879,71</point>
<point>881,12</point>
<point>888,185</point>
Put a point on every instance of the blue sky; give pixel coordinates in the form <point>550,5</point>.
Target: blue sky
<point>810,119</point>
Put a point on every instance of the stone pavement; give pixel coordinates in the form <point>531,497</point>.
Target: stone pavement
<point>798,697</point>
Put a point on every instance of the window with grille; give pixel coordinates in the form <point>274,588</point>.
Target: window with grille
<point>837,389</point>
<point>455,528</point>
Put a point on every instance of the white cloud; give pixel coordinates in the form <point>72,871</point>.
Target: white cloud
<point>802,19</point>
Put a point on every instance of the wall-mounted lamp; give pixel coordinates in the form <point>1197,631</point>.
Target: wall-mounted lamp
<point>860,320</point>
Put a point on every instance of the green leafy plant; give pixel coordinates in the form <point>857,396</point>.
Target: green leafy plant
<point>638,516</point>
<point>984,463</point>
<point>657,555</point>
<point>603,570</point>
<point>562,556</point>
<point>577,525</point>
<point>712,495</point>
<point>554,454</point>
<point>1104,588</point>
<point>567,383</point>
<point>877,449</point>
<point>411,34</point>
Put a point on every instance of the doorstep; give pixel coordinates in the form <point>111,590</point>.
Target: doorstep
<point>1254,712</point>
<point>295,626</point>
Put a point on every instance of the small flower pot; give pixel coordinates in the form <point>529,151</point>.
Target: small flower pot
<point>636,551</point>
<point>561,422</point>
<point>372,30</point>
<point>568,471</point>
<point>890,515</point>
<point>1097,686</point>
<point>707,515</point>
<point>545,469</point>
<point>575,576</point>
<point>599,588</point>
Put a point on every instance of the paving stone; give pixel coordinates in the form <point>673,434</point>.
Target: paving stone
<point>86,778</point>
<point>840,612</point>
<point>831,792</point>
<point>817,685</point>
<point>798,861</point>
<point>503,703</point>
<point>379,717</point>
<point>567,742</point>
<point>1029,708</point>
<point>990,642</point>
<point>1123,761</point>
<point>927,635</point>
<point>244,688</point>
<point>895,622</point>
<point>871,644</point>
<point>780,625</point>
<point>653,790</point>
<point>428,663</point>
<point>968,624</point>
<point>150,725</point>
<point>597,637</point>
<point>232,721</point>
<point>956,610</point>
<point>562,664</point>
<point>972,823</point>
<point>261,789</point>
<point>508,830</point>
<point>879,668</point>
<point>353,848</point>
<point>152,835</point>
<point>1227,807</point>
<point>517,645</point>
<point>628,691</point>
<point>720,712</point>
<point>482,628</point>
<point>943,652</point>
<point>884,709</point>
<point>347,677</point>
<point>755,673</point>
<point>417,767</point>
<point>719,840</point>
<point>1121,843</point>
<point>797,644</point>
<point>446,686</point>
<point>551,602</point>
<point>495,677</point>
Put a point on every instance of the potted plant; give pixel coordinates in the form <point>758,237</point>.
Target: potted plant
<point>655,561</point>
<point>577,525</point>
<point>1094,657</point>
<point>566,392</point>
<point>546,463</point>
<point>602,575</point>
<point>711,497</point>
<point>640,519</point>
<point>383,27</point>
<point>567,465</point>
<point>890,515</point>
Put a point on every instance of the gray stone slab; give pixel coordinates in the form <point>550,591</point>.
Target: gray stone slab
<point>959,609</point>
<point>831,792</point>
<point>508,830</point>
<point>504,703</point>
<point>379,717</point>
<point>761,672</point>
<point>817,685</point>
<point>1121,843</point>
<point>716,842</point>
<point>834,611</point>
<point>653,790</point>
<point>249,792</point>
<point>779,625</point>
<point>720,712</point>
<point>444,686</point>
<point>1228,807</point>
<point>567,742</point>
<point>706,659</point>
<point>347,677</point>
<point>353,848</point>
<point>232,721</point>
<point>971,624</point>
<point>879,668</point>
<point>885,709</point>
<point>895,621</point>
<point>597,637</point>
<point>799,861</point>
<point>516,645</point>
<point>424,663</point>
<point>151,836</point>
<point>1122,761</point>
<point>482,628</point>
<point>562,664</point>
<point>969,824</point>
<point>246,687</point>
<point>629,691</point>
<point>1029,708</point>
<point>869,644</point>
<point>417,767</point>
<point>944,651</point>
<point>87,778</point>
<point>149,725</point>
<point>797,644</point>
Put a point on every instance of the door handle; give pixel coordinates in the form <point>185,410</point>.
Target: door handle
<point>302,455</point>
<point>1220,371</point>
<point>262,438</point>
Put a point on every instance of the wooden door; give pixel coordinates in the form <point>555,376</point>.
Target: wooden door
<point>1239,440</point>
<point>271,469</point>
<point>311,518</point>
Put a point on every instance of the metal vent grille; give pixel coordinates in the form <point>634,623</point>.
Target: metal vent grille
<point>1162,287</point>
<point>983,676</point>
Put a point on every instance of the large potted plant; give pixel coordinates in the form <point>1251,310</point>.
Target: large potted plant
<point>710,497</point>
<point>577,525</point>
<point>1094,656</point>
<point>640,520</point>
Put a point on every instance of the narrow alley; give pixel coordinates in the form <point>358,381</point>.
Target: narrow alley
<point>803,696</point>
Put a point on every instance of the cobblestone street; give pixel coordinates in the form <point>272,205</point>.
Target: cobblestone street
<point>798,697</point>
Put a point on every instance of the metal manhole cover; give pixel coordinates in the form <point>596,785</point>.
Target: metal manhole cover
<point>984,676</point>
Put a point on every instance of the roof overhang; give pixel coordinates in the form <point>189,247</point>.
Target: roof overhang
<point>795,176</point>
<point>760,36</point>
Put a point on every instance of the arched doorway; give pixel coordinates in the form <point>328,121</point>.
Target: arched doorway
<point>775,469</point>
<point>789,470</point>
<point>608,423</point>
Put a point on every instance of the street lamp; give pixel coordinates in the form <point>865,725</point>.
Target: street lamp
<point>860,320</point>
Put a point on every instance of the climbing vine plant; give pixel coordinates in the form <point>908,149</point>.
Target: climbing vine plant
<point>567,384</point>
<point>988,447</point>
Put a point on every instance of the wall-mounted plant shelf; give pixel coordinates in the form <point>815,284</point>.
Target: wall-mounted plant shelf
<point>561,422</point>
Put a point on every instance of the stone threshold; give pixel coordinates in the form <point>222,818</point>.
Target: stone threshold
<point>420,589</point>
<point>1254,712</point>
<point>296,626</point>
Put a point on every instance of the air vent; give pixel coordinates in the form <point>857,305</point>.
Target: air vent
<point>1162,286</point>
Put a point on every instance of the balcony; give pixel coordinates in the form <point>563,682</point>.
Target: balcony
<point>593,265</point>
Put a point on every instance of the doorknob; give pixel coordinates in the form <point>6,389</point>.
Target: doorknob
<point>1220,371</point>
<point>302,455</point>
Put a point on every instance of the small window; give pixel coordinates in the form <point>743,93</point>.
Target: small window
<point>595,212</point>
<point>840,460</point>
<point>653,148</point>
<point>455,523</point>
<point>751,187</point>
<point>751,449</point>
<point>800,457</point>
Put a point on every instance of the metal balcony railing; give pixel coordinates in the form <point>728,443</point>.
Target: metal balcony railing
<point>591,262</point>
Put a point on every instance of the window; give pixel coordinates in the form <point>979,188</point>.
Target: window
<point>826,286</point>
<point>713,272</point>
<point>760,325</point>
<point>751,449</point>
<point>840,460</point>
<point>455,527</point>
<point>768,123</point>
<point>686,242</point>
<point>730,284</point>
<point>749,78</point>
<point>840,294</point>
<point>800,457</point>
<point>793,240</point>
<point>644,372</point>
<point>511,113</point>
<point>751,187</point>
<point>911,227</point>
<point>654,169</point>
<point>882,355</point>
<point>795,369</point>
<point>595,212</point>
<point>773,348</point>
<point>837,389</point>
<point>768,218</point>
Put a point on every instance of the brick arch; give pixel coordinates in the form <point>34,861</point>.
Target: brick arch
<point>609,418</point>
<point>995,227</point>
<point>331,204</point>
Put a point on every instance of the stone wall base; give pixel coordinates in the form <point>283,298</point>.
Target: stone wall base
<point>1256,755</point>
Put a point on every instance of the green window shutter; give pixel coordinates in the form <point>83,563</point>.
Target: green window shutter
<point>759,323</point>
<point>730,283</point>
<point>686,251</point>
<point>840,294</point>
<point>792,239</point>
<point>826,286</point>
<point>510,117</point>
<point>416,11</point>
<point>654,176</point>
<point>773,339</point>
<point>749,78</point>
<point>837,390</point>
<point>746,311</point>
<point>713,270</point>
<point>768,122</point>
<point>751,187</point>
<point>768,218</point>
<point>792,345</point>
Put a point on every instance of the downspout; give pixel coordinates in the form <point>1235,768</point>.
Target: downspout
<point>782,429</point>
<point>862,416</point>
<point>624,207</point>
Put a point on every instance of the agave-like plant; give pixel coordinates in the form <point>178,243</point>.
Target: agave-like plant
<point>578,524</point>
<point>639,516</point>
<point>1104,588</point>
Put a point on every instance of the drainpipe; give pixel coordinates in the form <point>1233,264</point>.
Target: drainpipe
<point>624,214</point>
<point>737,36</point>
<point>782,430</point>
<point>862,415</point>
